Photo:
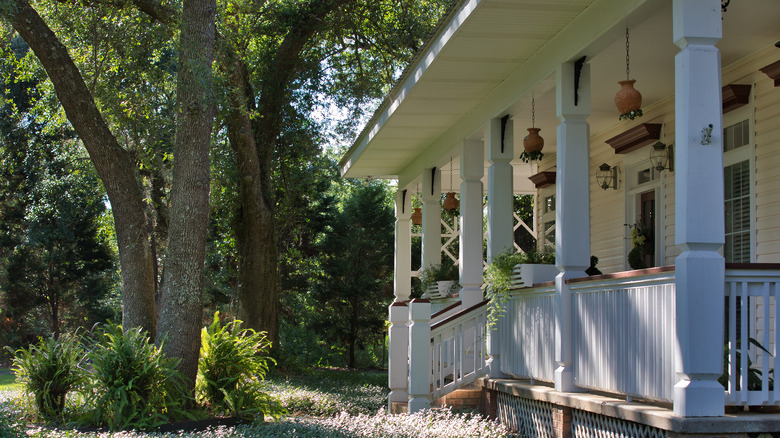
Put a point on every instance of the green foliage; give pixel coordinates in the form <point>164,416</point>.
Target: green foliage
<point>527,157</point>
<point>49,371</point>
<point>132,384</point>
<point>232,364</point>
<point>11,426</point>
<point>56,264</point>
<point>631,115</point>
<point>754,375</point>
<point>353,290</point>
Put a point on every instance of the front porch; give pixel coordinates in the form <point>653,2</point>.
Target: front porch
<point>624,354</point>
<point>662,336</point>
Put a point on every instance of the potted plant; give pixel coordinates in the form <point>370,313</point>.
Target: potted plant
<point>537,267</point>
<point>440,281</point>
<point>642,246</point>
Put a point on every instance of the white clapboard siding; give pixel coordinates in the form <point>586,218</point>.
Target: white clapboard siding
<point>767,141</point>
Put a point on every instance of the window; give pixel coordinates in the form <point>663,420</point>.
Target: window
<point>737,177</point>
<point>549,204</point>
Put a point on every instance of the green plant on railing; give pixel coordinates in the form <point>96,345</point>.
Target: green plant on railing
<point>445,271</point>
<point>754,375</point>
<point>49,370</point>
<point>233,362</point>
<point>498,278</point>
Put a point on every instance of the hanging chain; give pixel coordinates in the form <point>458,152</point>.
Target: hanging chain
<point>627,58</point>
<point>451,160</point>
<point>533,112</point>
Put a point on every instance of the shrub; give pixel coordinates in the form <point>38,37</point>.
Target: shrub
<point>132,383</point>
<point>232,364</point>
<point>49,370</point>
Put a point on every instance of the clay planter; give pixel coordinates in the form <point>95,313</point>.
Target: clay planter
<point>451,203</point>
<point>417,216</point>
<point>533,142</point>
<point>627,98</point>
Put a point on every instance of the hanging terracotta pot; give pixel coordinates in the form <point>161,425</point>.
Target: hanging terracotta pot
<point>451,203</point>
<point>533,142</point>
<point>628,99</point>
<point>417,216</point>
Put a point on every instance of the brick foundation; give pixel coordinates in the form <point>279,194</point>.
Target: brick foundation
<point>466,398</point>
<point>562,421</point>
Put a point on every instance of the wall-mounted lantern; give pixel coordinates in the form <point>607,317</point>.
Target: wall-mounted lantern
<point>607,177</point>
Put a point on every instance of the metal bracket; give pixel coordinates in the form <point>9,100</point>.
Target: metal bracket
<point>504,121</point>
<point>706,135</point>
<point>577,71</point>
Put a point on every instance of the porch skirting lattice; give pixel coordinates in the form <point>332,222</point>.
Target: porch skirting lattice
<point>539,419</point>
<point>530,418</point>
<point>586,424</point>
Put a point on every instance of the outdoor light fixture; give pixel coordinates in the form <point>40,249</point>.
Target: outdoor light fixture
<point>607,177</point>
<point>661,156</point>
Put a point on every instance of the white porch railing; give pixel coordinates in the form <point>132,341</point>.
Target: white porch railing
<point>624,335</point>
<point>527,334</point>
<point>752,321</point>
<point>458,350</point>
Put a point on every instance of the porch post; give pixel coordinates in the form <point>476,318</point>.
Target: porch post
<point>500,238</point>
<point>431,221</point>
<point>471,171</point>
<point>572,210</point>
<point>419,355</point>
<point>402,273</point>
<point>398,366</point>
<point>699,225</point>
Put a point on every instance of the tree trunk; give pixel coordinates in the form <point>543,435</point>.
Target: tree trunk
<point>181,291</point>
<point>113,164</point>
<point>257,251</point>
<point>255,235</point>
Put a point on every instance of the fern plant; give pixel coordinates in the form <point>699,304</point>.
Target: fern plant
<point>49,370</point>
<point>133,384</point>
<point>233,362</point>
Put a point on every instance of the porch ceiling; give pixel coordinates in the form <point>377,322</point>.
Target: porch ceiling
<point>490,56</point>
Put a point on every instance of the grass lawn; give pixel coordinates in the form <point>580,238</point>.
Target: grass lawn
<point>322,403</point>
<point>8,380</point>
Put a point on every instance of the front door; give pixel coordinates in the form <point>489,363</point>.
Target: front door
<point>647,219</point>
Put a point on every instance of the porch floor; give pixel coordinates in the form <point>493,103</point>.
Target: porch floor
<point>650,414</point>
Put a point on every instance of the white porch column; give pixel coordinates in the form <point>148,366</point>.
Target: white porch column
<point>471,171</point>
<point>572,205</point>
<point>402,273</point>
<point>398,366</point>
<point>419,355</point>
<point>500,237</point>
<point>431,220</point>
<point>699,225</point>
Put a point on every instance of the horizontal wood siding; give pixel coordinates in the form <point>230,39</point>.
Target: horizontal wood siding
<point>767,141</point>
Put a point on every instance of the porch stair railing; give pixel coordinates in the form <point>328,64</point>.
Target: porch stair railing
<point>458,350</point>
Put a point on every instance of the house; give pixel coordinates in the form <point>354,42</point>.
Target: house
<point>684,347</point>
